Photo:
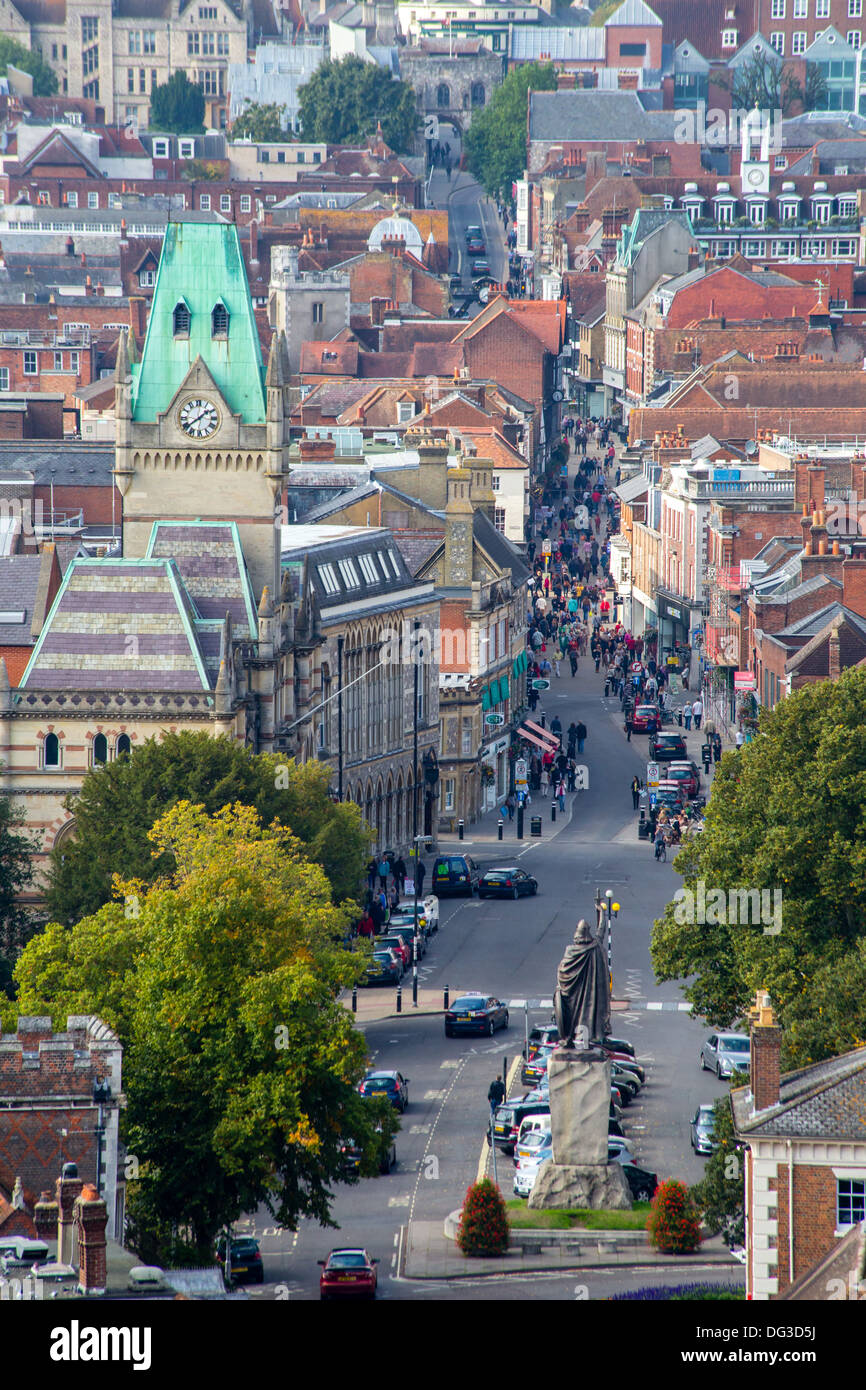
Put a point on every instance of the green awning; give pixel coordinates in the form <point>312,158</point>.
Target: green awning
<point>495,696</point>
<point>524,660</point>
<point>503,687</point>
<point>485,698</point>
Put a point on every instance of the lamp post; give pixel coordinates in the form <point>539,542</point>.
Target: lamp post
<point>606,909</point>
<point>340,640</point>
<point>101,1096</point>
<point>415,841</point>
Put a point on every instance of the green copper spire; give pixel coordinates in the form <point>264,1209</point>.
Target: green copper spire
<point>201,308</point>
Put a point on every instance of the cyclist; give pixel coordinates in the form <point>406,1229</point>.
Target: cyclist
<point>661,841</point>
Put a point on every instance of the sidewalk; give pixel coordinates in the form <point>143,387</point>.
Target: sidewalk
<point>429,1254</point>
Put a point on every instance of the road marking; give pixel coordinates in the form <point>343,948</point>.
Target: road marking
<point>448,1065</point>
<point>396,1238</point>
<point>433,1095</point>
<point>399,1201</point>
<point>652,1004</point>
<point>419,1129</point>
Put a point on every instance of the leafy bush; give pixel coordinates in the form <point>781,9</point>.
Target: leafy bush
<point>483,1222</point>
<point>683,1293</point>
<point>673,1223</point>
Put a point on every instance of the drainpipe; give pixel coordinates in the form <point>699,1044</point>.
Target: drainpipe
<point>790,1211</point>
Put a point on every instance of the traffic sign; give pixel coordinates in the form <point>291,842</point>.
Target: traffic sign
<point>540,684</point>
<point>521,780</point>
<point>494,719</point>
<point>546,547</point>
<point>652,774</point>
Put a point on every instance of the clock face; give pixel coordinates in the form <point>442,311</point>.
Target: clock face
<point>199,419</point>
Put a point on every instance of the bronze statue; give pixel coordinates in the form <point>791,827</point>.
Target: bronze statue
<point>582,998</point>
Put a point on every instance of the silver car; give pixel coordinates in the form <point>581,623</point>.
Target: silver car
<point>726,1053</point>
<point>701,1129</point>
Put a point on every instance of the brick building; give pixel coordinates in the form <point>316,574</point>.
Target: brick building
<point>49,1114</point>
<point>805,1136</point>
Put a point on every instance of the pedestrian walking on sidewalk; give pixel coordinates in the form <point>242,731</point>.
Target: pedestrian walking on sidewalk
<point>717,747</point>
<point>560,794</point>
<point>635,792</point>
<point>697,711</point>
<point>581,737</point>
<point>687,717</point>
<point>496,1093</point>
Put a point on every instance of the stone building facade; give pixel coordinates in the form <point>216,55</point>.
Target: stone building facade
<point>306,306</point>
<point>451,84</point>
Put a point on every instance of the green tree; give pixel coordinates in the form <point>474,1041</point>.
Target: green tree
<point>495,143</point>
<point>240,1066</point>
<point>344,101</point>
<point>260,122</point>
<point>119,803</point>
<point>178,106</point>
<point>16,874</point>
<point>787,815</point>
<point>44,77</point>
<point>720,1195</point>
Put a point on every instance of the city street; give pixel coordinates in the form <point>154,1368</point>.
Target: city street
<point>512,949</point>
<point>468,206</point>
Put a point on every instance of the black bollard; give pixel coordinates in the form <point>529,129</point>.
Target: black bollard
<point>445,998</point>
<point>460,829</point>
<point>399,999</point>
<point>354,999</point>
<point>520,821</point>
<point>499,824</point>
<point>553,811</point>
<point>415,990</point>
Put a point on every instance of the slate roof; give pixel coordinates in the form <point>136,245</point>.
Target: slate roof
<point>814,623</point>
<point>19,576</point>
<point>211,562</point>
<point>416,547</point>
<point>348,543</point>
<point>120,625</point>
<point>500,549</point>
<point>65,464</point>
<point>824,1101</point>
<point>596,115</point>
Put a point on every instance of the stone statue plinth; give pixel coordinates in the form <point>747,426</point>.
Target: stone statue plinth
<point>579,1106</point>
<point>594,1186</point>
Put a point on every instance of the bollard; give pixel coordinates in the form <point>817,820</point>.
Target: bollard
<point>553,811</point>
<point>354,999</point>
<point>520,821</point>
<point>415,990</point>
<point>399,999</point>
<point>445,999</point>
<point>499,824</point>
<point>460,829</point>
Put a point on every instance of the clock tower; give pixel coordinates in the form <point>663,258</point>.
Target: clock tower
<point>202,431</point>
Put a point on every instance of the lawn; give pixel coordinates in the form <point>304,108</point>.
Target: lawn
<point>520,1218</point>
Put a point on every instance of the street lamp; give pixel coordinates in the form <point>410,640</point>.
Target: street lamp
<point>416,840</point>
<point>606,909</point>
<point>102,1097</point>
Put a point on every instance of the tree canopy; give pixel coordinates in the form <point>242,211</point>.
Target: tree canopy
<point>260,122</point>
<point>344,101</point>
<point>765,81</point>
<point>44,77</point>
<point>119,803</point>
<point>16,874</point>
<point>177,106</point>
<point>240,1066</point>
<point>495,143</point>
<point>787,815</point>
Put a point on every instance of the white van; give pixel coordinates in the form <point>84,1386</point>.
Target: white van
<point>539,1124</point>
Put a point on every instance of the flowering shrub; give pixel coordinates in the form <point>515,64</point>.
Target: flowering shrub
<point>483,1222</point>
<point>673,1223</point>
<point>683,1293</point>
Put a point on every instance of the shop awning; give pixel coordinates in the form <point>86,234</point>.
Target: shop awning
<point>495,695</point>
<point>504,687</point>
<point>485,698</point>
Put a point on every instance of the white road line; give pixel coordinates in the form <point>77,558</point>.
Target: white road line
<point>443,1103</point>
<point>399,1201</point>
<point>396,1238</point>
<point>449,1065</point>
<point>653,1005</point>
<point>433,1095</point>
<point>419,1129</point>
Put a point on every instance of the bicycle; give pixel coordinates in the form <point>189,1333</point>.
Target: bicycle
<point>661,851</point>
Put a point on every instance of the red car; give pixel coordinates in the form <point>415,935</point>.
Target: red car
<point>348,1274</point>
<point>645,719</point>
<point>688,776</point>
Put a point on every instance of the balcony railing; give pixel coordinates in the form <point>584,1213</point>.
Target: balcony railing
<point>46,338</point>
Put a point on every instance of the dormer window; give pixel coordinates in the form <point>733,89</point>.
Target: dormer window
<point>219,321</point>
<point>181,319</point>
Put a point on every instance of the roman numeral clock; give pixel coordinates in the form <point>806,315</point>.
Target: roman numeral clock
<point>198,418</point>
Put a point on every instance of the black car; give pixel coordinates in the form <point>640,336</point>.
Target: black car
<point>246,1259</point>
<point>507,883</point>
<point>384,969</point>
<point>667,748</point>
<point>642,1182</point>
<point>352,1155</point>
<point>390,1084</point>
<point>508,1118</point>
<point>476,1013</point>
<point>454,875</point>
<point>540,1036</point>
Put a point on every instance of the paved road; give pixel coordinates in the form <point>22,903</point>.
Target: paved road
<point>512,950</point>
<point>467,206</point>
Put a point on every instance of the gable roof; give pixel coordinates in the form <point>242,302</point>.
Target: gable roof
<point>826,1100</point>
<point>634,13</point>
<point>201,264</point>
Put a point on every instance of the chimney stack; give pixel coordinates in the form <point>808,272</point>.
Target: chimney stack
<point>91,1219</point>
<point>834,663</point>
<point>67,1190</point>
<point>766,1054</point>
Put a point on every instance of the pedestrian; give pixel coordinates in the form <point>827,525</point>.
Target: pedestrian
<point>717,747</point>
<point>496,1093</point>
<point>372,869</point>
<point>560,794</point>
<point>400,875</point>
<point>687,717</point>
<point>741,738</point>
<point>509,805</point>
<point>635,792</point>
<point>384,870</point>
<point>697,711</point>
<point>420,871</point>
<point>581,737</point>
<point>572,657</point>
<point>544,784</point>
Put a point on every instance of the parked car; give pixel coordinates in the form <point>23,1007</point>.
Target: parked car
<point>642,1182</point>
<point>428,910</point>
<point>726,1053</point>
<point>385,968</point>
<point>628,1064</point>
<point>476,1013</point>
<point>540,1036</point>
<point>670,797</point>
<point>507,883</point>
<point>665,748</point>
<point>531,1143</point>
<point>387,1083</point>
<point>688,776</point>
<point>626,1082</point>
<point>615,1045</point>
<point>619,1149</point>
<point>246,1259</point>
<point>398,923</point>
<point>510,1115</point>
<point>644,719</point>
<point>701,1130</point>
<point>399,943</point>
<point>531,1157</point>
<point>455,875</point>
<point>535,1070</point>
<point>348,1274</point>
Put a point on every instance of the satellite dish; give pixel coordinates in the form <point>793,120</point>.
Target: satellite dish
<point>751,448</point>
